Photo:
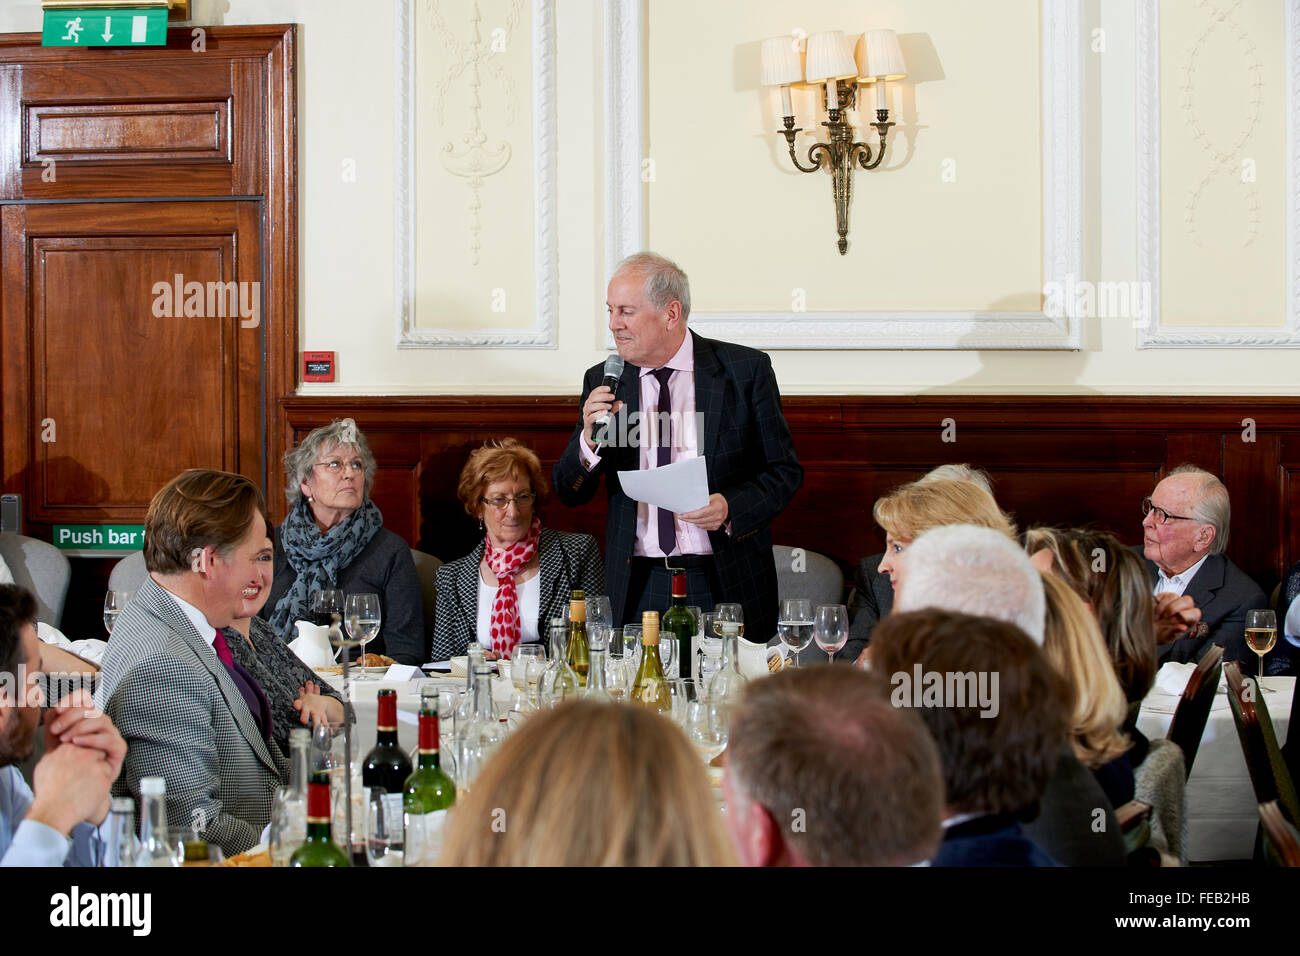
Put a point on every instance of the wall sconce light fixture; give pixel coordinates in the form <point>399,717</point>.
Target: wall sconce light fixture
<point>831,61</point>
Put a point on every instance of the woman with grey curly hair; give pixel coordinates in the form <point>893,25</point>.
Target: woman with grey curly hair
<point>334,537</point>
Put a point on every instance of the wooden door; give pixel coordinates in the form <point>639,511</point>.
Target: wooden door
<point>114,383</point>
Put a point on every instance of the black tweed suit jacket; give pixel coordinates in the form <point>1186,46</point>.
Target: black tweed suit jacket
<point>873,599</point>
<point>750,460</point>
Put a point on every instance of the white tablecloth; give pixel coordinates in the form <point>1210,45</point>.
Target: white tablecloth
<point>1221,809</point>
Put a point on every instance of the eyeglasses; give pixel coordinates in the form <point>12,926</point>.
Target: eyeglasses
<point>1161,514</point>
<point>522,501</point>
<point>334,466</point>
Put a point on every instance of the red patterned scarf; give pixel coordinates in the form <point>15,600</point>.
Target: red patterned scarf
<point>505,608</point>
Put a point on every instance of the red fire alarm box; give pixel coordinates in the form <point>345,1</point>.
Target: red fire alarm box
<point>318,366</point>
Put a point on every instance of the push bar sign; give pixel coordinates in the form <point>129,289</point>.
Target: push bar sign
<point>114,27</point>
<point>99,537</point>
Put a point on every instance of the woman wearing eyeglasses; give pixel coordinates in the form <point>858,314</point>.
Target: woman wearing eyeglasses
<point>334,537</point>
<point>520,576</point>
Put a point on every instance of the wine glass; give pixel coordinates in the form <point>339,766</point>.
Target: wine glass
<point>362,618</point>
<point>795,626</point>
<point>531,660</point>
<point>832,629</point>
<point>706,728</point>
<point>324,605</point>
<point>384,827</point>
<point>618,679</point>
<point>1261,634</point>
<point>729,621</point>
<point>114,601</point>
<point>668,655</point>
<point>632,646</point>
<point>598,611</point>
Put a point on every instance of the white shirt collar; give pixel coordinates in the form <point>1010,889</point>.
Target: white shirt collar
<point>195,617</point>
<point>1177,584</point>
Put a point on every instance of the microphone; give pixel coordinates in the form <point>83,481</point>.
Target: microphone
<point>613,372</point>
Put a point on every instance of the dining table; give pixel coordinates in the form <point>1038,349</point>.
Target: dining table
<point>1221,811</point>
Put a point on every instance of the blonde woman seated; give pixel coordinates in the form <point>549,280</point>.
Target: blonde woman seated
<point>914,508</point>
<point>1074,646</point>
<point>505,591</point>
<point>590,784</point>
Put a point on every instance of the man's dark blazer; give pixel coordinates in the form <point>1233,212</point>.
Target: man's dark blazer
<point>750,460</point>
<point>1224,593</point>
<point>873,599</point>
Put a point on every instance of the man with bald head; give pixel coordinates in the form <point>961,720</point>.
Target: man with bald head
<point>1184,537</point>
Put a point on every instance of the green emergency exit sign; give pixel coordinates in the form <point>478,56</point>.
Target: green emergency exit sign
<point>98,537</point>
<point>110,27</point>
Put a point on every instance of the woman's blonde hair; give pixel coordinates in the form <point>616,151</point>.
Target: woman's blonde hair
<point>1113,581</point>
<point>1073,644</point>
<point>911,509</point>
<point>589,784</point>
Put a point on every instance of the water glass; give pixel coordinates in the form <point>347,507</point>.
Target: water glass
<point>599,611</point>
<point>362,618</point>
<point>114,601</point>
<point>706,728</point>
<point>288,825</point>
<point>795,625</point>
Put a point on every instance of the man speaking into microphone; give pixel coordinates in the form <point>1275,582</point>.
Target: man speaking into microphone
<point>673,379</point>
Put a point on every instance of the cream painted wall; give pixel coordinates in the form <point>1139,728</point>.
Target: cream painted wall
<point>345,111</point>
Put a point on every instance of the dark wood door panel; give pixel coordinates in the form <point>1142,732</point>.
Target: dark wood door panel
<point>132,381</point>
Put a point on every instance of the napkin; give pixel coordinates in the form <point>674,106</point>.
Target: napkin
<point>1172,677</point>
<point>312,645</point>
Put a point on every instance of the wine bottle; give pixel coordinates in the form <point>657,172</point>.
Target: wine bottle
<point>426,795</point>
<point>318,849</point>
<point>119,833</point>
<point>386,766</point>
<point>596,689</point>
<point>679,623</point>
<point>155,848</point>
<point>651,688</point>
<point>578,656</point>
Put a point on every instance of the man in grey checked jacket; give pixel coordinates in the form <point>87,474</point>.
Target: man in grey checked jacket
<point>188,712</point>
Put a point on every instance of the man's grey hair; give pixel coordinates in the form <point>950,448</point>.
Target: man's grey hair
<point>663,279</point>
<point>342,432</point>
<point>962,472</point>
<point>1211,506</point>
<point>975,571</point>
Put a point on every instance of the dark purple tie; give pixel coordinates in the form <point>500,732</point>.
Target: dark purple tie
<point>667,531</point>
<point>247,685</point>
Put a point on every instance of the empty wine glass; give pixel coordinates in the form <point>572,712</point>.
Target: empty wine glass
<point>706,728</point>
<point>288,825</point>
<point>114,601</point>
<point>832,628</point>
<point>362,618</point>
<point>598,610</point>
<point>531,659</point>
<point>795,626</point>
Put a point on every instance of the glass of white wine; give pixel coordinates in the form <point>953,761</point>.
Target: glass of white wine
<point>1261,634</point>
<point>361,617</point>
<point>706,728</point>
<point>795,625</point>
<point>729,620</point>
<point>114,601</point>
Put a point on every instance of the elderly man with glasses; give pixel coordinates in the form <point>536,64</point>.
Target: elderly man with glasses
<point>1185,535</point>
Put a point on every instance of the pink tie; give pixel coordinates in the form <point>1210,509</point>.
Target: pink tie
<point>223,650</point>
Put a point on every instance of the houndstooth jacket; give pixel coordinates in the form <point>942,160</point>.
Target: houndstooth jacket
<point>184,719</point>
<point>565,561</point>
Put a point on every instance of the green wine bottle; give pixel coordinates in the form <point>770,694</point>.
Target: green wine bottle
<point>319,849</point>
<point>578,656</point>
<point>679,623</point>
<point>651,689</point>
<point>427,796</point>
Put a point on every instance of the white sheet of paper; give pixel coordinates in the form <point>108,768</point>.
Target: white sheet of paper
<point>679,487</point>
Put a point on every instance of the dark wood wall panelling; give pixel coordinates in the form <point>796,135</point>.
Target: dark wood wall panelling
<point>1069,461</point>
<point>119,169</point>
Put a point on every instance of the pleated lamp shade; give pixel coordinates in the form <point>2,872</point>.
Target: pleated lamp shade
<point>782,61</point>
<point>879,56</point>
<point>830,57</point>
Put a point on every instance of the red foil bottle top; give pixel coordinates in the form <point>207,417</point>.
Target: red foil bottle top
<point>679,584</point>
<point>386,719</point>
<point>428,733</point>
<point>318,803</point>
